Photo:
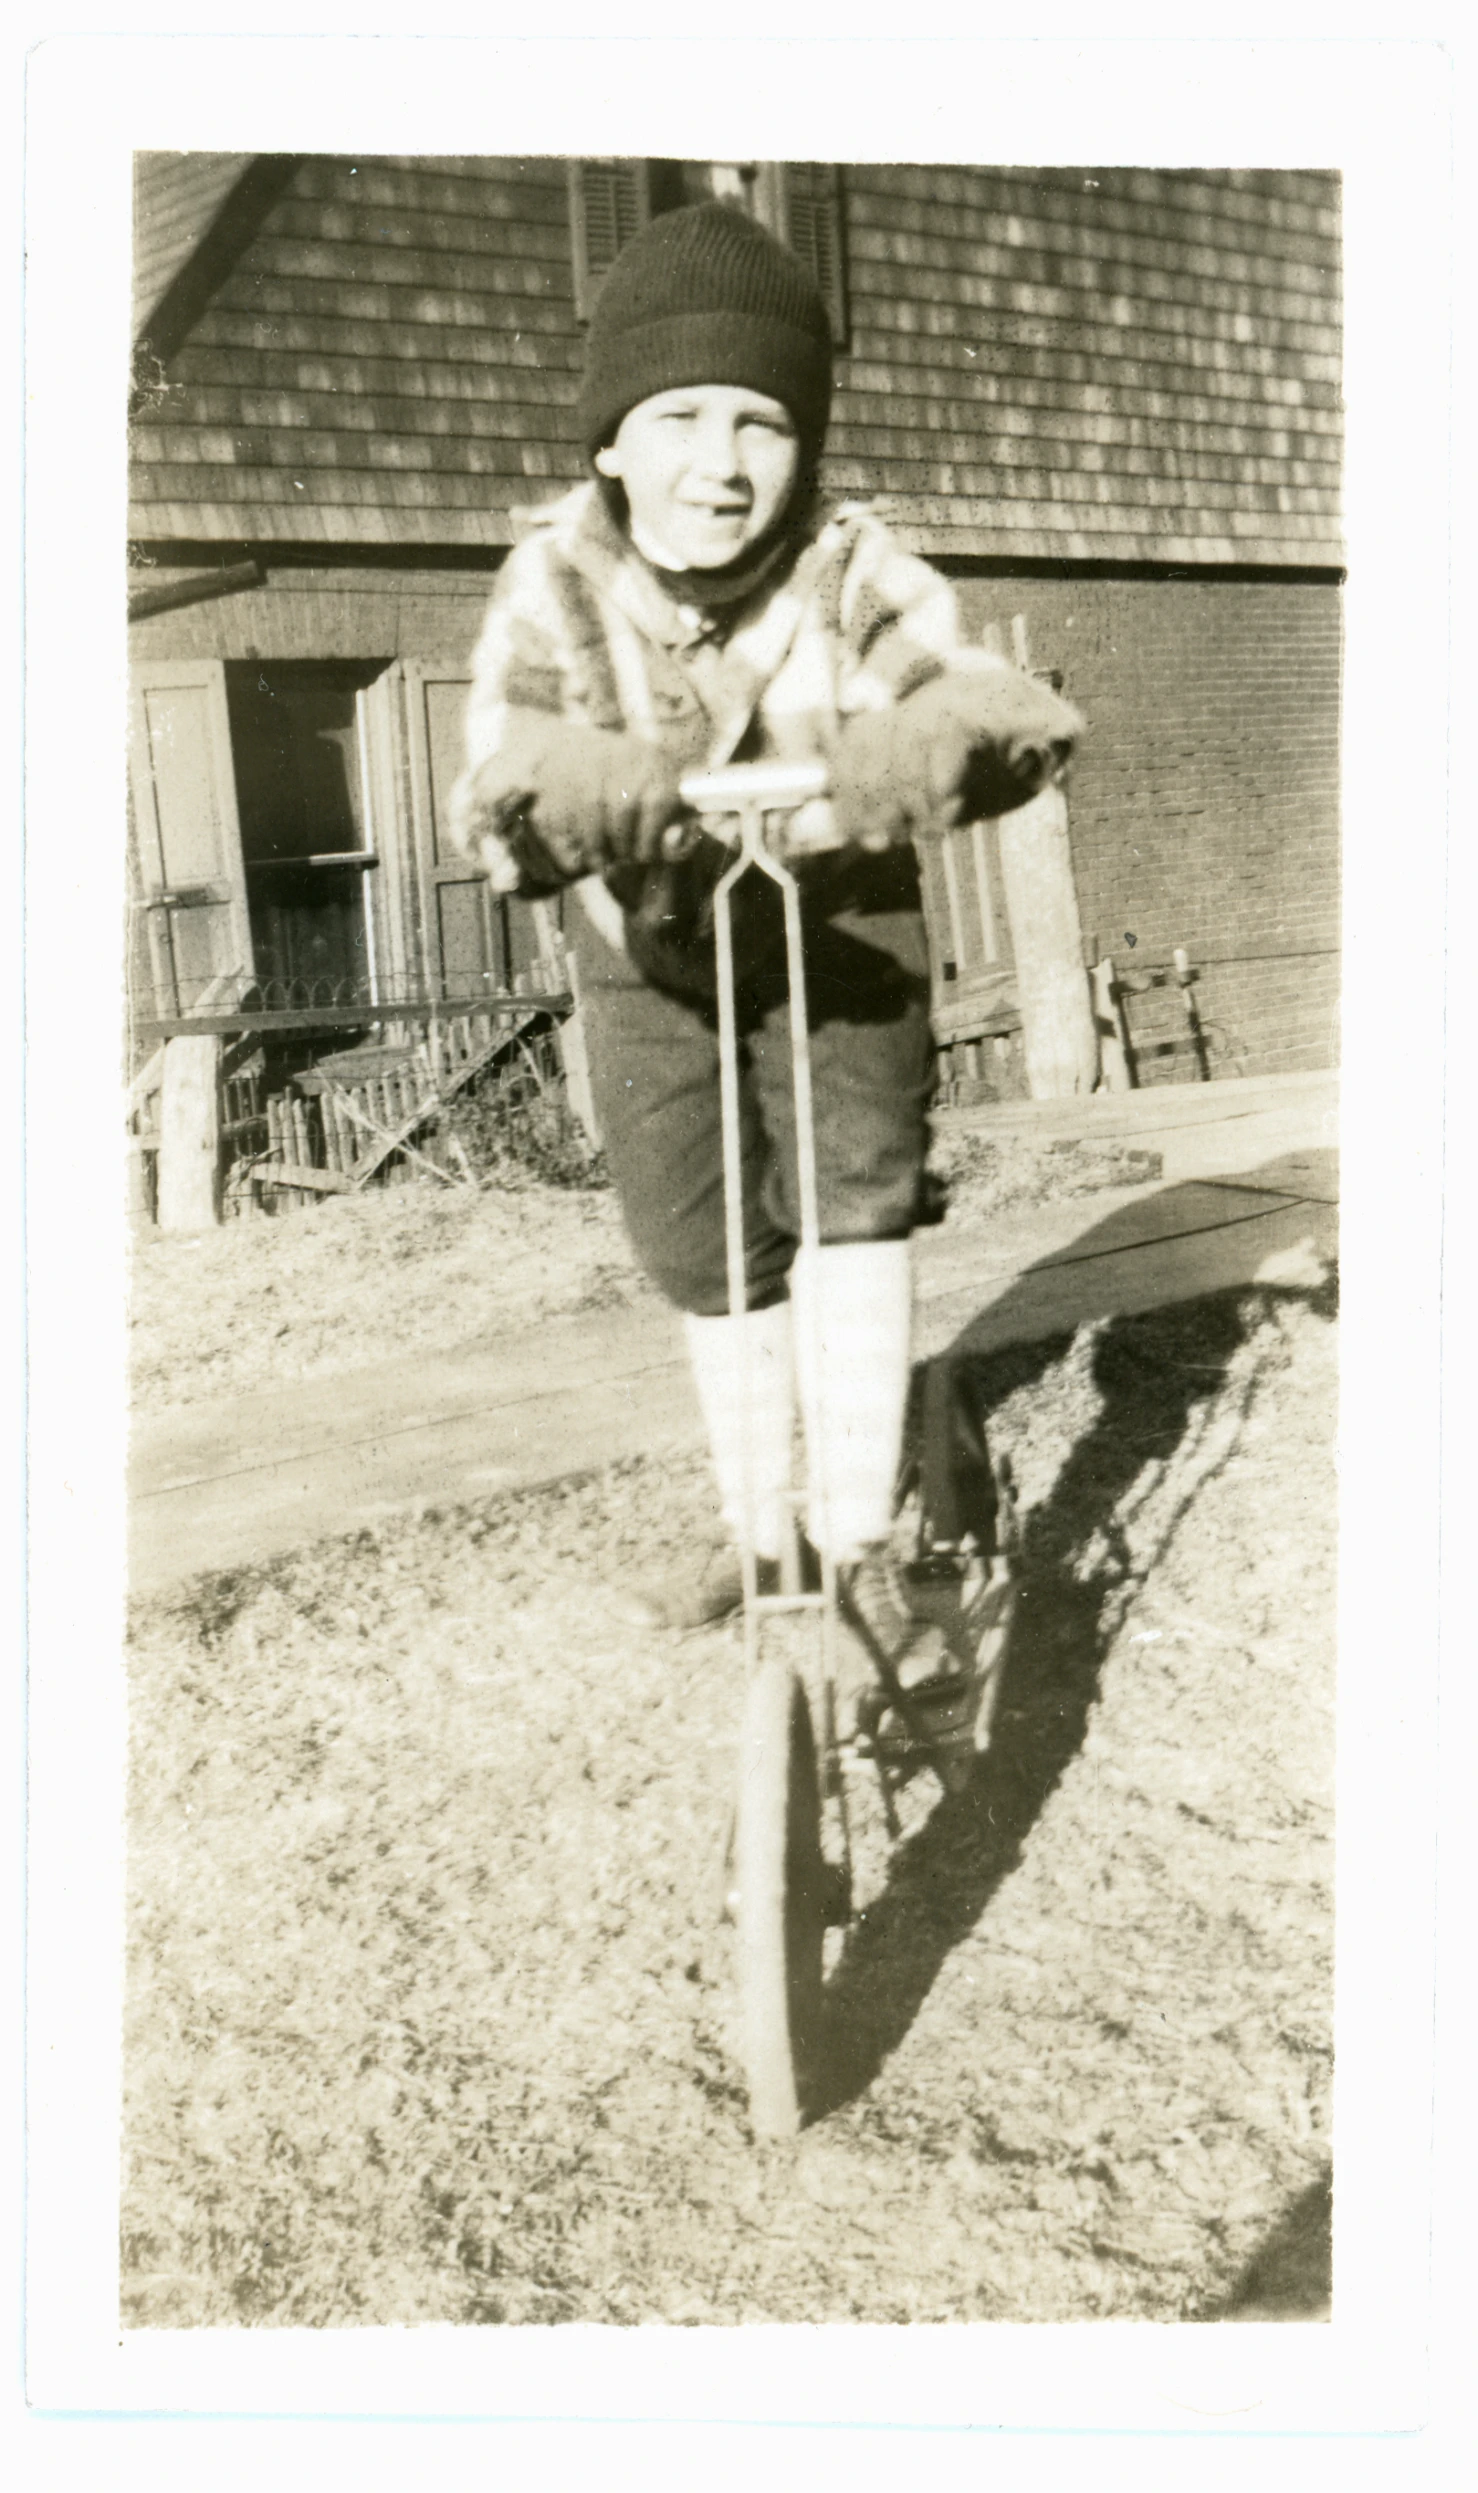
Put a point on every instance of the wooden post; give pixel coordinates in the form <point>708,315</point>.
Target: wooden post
<point>574,1058</point>
<point>1058,1037</point>
<point>1108,1011</point>
<point>333,1129</point>
<point>1185,979</point>
<point>190,1135</point>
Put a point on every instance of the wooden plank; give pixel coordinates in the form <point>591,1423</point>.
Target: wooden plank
<point>509,1009</point>
<point>395,1134</point>
<point>308,1181</point>
<point>1113,1042</point>
<point>985,1008</point>
<point>384,1143</point>
<point>1060,1042</point>
<point>950,864</point>
<point>574,1056</point>
<point>194,590</point>
<point>147,1080</point>
<point>190,1136</point>
<point>988,935</point>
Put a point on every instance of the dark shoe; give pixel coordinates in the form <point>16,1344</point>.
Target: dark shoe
<point>900,1642</point>
<point>890,1646</point>
<point>709,1587</point>
<point>691,1594</point>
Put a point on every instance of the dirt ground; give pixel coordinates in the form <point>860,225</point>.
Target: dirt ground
<point>274,1301</point>
<point>430,2004</point>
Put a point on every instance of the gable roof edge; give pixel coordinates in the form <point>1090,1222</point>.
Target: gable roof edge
<point>226,233</point>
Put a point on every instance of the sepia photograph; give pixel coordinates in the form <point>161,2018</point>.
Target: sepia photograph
<point>735,1174</point>
<point>635,1711</point>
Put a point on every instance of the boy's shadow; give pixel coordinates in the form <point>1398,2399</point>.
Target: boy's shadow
<point>1075,1573</point>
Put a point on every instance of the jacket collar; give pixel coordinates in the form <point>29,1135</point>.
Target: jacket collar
<point>589,537</point>
<point>738,672</point>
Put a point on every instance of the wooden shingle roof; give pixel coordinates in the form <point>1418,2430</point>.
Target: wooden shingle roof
<point>176,199</point>
<point>1125,365</point>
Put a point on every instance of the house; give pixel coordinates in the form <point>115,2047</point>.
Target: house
<point>1106,401</point>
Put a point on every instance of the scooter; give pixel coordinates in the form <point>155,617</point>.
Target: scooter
<point>791,1847</point>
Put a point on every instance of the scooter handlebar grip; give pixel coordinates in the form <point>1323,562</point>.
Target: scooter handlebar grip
<point>739,787</point>
<point>798,789</point>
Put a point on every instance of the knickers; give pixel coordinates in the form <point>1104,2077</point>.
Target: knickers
<point>655,1077</point>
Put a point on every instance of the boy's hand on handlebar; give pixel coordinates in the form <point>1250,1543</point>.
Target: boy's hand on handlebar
<point>965,746</point>
<point>586,799</point>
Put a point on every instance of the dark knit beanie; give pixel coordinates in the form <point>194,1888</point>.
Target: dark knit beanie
<point>706,294</point>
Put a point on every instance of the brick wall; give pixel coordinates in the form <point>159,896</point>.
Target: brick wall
<point>1205,799</point>
<point>328,613</point>
<point>1204,802</point>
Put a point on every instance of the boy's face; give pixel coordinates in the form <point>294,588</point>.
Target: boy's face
<point>707,471</point>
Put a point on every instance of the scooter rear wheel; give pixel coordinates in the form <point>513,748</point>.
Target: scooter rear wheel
<point>781,1879</point>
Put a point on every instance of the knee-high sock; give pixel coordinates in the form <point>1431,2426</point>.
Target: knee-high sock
<point>754,1507</point>
<point>854,1408</point>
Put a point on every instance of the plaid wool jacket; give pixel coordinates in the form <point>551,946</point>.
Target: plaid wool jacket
<point>581,629</point>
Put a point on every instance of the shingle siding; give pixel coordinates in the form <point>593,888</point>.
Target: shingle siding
<point>1077,361</point>
<point>397,341</point>
<point>1111,365</point>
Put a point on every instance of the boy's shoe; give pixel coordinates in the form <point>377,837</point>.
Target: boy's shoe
<point>895,1633</point>
<point>709,1587</point>
<point>888,1637</point>
<point>690,1594</point>
<point>942,1626</point>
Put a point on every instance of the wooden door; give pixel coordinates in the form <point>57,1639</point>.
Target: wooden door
<point>473,941</point>
<point>187,835</point>
<point>972,959</point>
<point>391,900</point>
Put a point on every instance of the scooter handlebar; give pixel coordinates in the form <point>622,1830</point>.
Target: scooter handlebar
<point>798,789</point>
<point>737,787</point>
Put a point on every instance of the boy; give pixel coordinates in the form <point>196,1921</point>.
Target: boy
<point>694,604</point>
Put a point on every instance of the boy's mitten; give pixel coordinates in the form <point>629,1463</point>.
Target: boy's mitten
<point>964,746</point>
<point>569,801</point>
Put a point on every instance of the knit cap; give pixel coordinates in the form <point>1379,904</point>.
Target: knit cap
<point>702,295</point>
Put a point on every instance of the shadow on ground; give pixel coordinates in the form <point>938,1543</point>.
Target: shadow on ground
<point>1291,2275</point>
<point>1075,1572</point>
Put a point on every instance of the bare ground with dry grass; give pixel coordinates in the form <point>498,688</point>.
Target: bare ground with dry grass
<point>429,2006</point>
<point>338,1284</point>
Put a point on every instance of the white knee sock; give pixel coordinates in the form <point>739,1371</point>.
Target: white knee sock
<point>754,1509</point>
<point>854,1409</point>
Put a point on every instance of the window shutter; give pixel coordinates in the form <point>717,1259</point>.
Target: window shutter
<point>191,890</point>
<point>814,229</point>
<point>610,198</point>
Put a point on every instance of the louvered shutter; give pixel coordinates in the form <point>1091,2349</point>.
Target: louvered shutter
<point>815,232</point>
<point>610,199</point>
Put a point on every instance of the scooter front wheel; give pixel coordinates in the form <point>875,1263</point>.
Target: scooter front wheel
<point>781,1881</point>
